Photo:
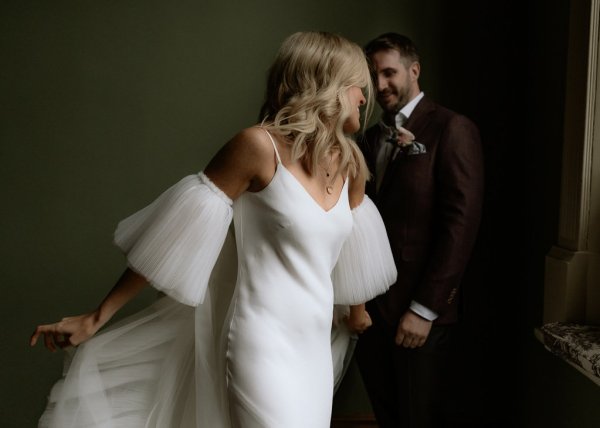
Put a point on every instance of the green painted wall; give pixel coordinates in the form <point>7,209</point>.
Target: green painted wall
<point>105,104</point>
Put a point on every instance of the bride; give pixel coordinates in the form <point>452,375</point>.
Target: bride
<point>252,255</point>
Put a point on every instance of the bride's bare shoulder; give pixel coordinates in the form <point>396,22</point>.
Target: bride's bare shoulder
<point>245,162</point>
<point>253,141</point>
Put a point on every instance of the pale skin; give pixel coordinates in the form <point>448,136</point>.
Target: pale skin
<point>396,79</point>
<point>397,82</point>
<point>245,164</point>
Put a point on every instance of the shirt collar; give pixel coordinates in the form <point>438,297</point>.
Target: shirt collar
<point>408,108</point>
<point>406,111</point>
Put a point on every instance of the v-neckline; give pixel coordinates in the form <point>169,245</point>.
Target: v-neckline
<point>311,197</point>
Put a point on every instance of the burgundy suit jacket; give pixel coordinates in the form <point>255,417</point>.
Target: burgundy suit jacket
<point>431,206</point>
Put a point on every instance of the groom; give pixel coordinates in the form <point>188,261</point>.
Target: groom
<point>427,182</point>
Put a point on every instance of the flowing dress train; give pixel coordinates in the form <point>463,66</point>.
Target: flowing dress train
<point>246,335</point>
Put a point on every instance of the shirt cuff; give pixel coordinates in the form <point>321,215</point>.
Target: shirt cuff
<point>422,311</point>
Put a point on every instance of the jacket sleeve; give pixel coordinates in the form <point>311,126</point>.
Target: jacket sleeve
<point>459,181</point>
<point>175,241</point>
<point>365,267</point>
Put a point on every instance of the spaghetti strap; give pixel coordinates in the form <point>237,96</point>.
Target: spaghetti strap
<point>274,145</point>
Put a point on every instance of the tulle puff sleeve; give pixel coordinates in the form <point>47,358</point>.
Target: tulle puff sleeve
<point>365,267</point>
<point>175,241</point>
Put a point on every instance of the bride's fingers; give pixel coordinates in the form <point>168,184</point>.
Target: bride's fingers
<point>39,330</point>
<point>62,340</point>
<point>34,337</point>
<point>48,342</point>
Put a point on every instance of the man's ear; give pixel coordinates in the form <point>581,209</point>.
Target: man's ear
<point>414,70</point>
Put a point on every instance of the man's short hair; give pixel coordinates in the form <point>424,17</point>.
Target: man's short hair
<point>393,41</point>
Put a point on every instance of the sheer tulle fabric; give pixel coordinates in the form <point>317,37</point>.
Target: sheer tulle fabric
<point>166,365</point>
<point>161,367</point>
<point>113,379</point>
<point>365,267</point>
<point>175,241</point>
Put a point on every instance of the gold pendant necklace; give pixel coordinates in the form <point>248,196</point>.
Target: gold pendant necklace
<point>328,186</point>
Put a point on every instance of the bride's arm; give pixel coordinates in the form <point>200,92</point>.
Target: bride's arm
<point>245,162</point>
<point>75,330</point>
<point>358,320</point>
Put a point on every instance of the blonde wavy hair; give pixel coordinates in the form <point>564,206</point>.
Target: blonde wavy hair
<point>307,98</point>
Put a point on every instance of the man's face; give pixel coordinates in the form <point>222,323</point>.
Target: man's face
<point>396,80</point>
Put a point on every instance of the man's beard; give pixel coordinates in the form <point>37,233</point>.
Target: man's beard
<point>403,99</point>
<point>389,114</point>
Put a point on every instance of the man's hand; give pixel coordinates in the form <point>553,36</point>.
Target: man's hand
<point>412,330</point>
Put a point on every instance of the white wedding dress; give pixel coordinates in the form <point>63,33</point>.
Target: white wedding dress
<point>246,335</point>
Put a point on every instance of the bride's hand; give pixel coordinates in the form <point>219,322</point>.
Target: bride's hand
<point>359,319</point>
<point>70,331</point>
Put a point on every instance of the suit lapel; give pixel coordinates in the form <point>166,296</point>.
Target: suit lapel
<point>416,123</point>
<point>419,118</point>
<point>370,145</point>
